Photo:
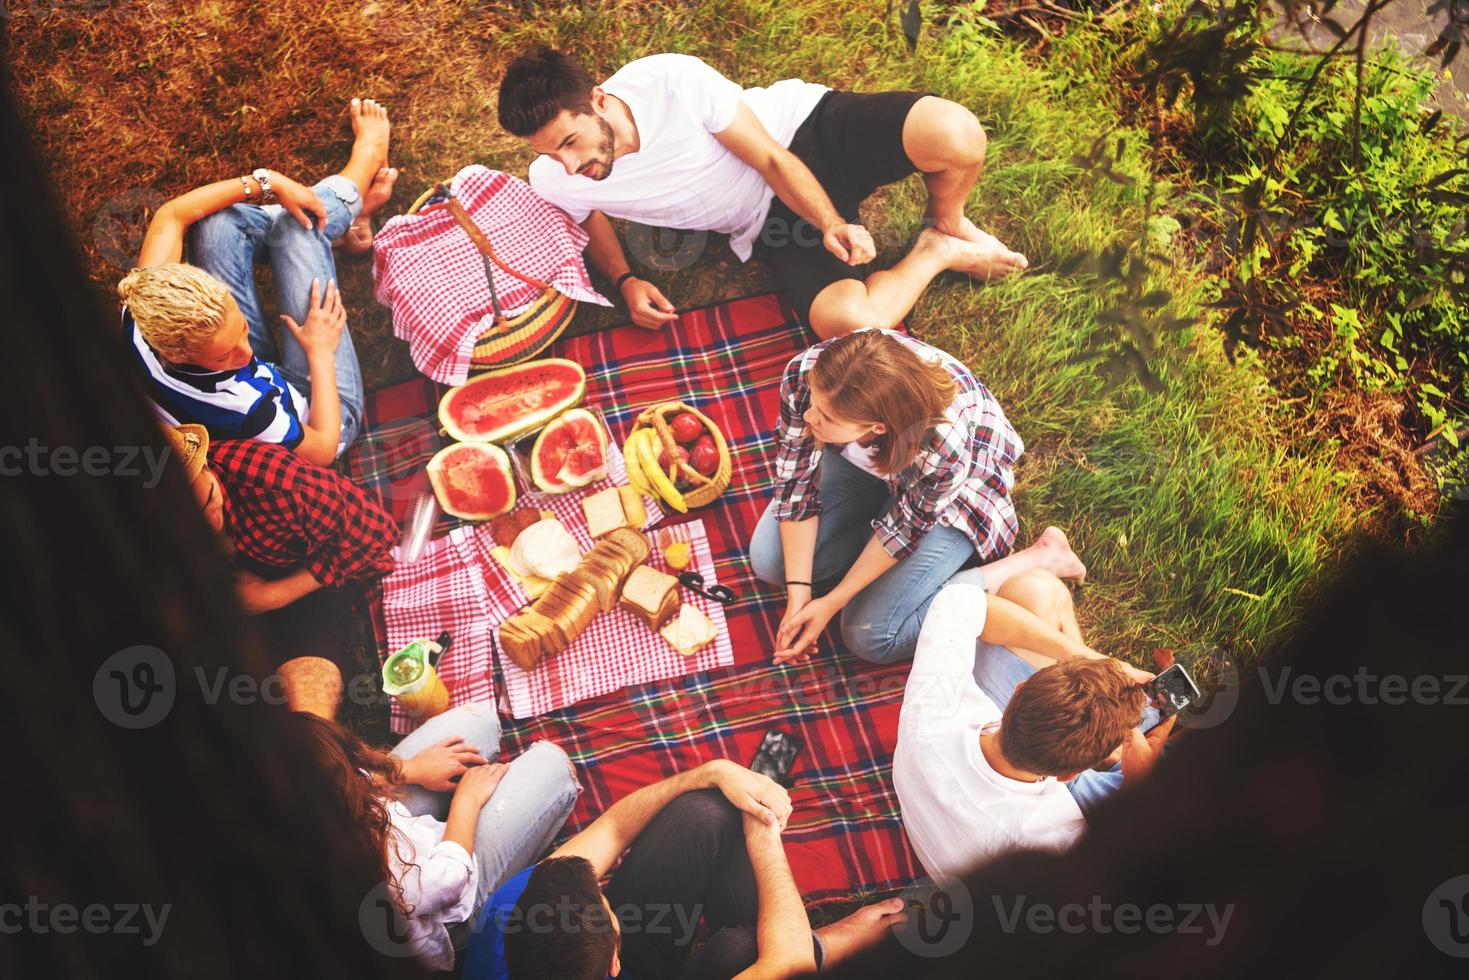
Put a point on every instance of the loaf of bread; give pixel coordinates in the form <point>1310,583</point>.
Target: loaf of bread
<point>568,604</point>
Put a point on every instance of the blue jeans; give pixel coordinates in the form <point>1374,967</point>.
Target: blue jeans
<point>529,806</point>
<point>228,244</point>
<point>997,671</point>
<point>881,623</point>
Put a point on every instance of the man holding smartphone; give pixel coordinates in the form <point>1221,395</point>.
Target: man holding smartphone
<point>1007,716</point>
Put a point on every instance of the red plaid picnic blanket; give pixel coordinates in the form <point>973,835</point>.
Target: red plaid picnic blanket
<point>845,839</point>
<point>430,275</point>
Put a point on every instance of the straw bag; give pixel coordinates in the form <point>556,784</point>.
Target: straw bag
<point>509,340</point>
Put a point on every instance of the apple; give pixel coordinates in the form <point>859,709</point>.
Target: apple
<point>665,462</point>
<point>704,457</point>
<point>686,427</point>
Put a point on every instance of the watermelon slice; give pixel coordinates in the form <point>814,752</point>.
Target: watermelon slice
<point>570,452</point>
<point>502,405</point>
<point>473,480</point>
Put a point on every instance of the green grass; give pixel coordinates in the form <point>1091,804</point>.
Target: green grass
<point>1204,515</point>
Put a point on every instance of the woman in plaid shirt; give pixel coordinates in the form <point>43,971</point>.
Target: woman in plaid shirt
<point>893,472</point>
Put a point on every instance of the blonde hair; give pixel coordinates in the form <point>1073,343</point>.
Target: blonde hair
<point>176,306</point>
<point>871,376</point>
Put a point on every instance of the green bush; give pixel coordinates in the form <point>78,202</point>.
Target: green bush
<point>1379,220</point>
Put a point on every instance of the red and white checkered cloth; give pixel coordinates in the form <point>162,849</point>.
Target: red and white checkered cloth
<point>431,276</point>
<point>457,585</point>
<point>618,650</point>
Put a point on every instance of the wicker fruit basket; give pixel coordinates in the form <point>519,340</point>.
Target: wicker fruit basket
<point>703,489</point>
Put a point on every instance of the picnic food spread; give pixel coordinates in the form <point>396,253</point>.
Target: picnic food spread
<point>676,454</point>
<point>473,480</point>
<point>554,621</point>
<point>508,403</point>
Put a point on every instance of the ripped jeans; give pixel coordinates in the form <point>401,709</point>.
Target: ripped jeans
<point>527,809</point>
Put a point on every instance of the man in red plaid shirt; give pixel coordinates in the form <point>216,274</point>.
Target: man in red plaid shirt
<point>303,539</point>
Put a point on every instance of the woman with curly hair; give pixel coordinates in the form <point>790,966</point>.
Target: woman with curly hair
<point>421,814</point>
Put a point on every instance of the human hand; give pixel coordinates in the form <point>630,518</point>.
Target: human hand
<point>850,243</point>
<point>795,641</point>
<point>440,766</point>
<point>299,201</point>
<point>325,320</point>
<point>758,796</point>
<point>649,308</point>
<point>1136,674</point>
<point>478,783</point>
<point>1140,751</point>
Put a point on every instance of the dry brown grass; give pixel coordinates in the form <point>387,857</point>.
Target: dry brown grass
<point>135,101</point>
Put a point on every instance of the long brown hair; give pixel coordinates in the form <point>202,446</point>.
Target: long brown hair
<point>870,376</point>
<point>364,780</point>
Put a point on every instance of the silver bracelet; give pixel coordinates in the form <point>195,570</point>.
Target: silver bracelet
<point>245,183</point>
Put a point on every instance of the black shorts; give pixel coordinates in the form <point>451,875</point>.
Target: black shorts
<point>319,624</point>
<point>853,143</point>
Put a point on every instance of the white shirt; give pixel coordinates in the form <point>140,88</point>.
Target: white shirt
<point>958,811</point>
<point>681,176</point>
<point>440,890</point>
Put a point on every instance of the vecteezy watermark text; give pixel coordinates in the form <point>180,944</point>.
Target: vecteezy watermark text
<point>98,918</point>
<point>1126,918</point>
<point>128,462</point>
<point>1364,687</point>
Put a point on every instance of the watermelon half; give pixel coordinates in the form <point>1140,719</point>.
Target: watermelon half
<point>502,405</point>
<point>570,452</point>
<point>473,480</point>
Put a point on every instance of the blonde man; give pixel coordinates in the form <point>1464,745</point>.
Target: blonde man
<point>198,330</point>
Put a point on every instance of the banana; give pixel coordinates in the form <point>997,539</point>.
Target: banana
<point>635,476</point>
<point>656,476</point>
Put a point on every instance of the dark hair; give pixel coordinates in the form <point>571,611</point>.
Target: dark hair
<point>203,808</point>
<point>1069,716</point>
<point>537,86</point>
<point>581,944</point>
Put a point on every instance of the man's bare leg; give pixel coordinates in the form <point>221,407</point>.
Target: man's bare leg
<point>1050,553</point>
<point>1045,595</point>
<point>312,684</point>
<point>946,142</point>
<point>368,169</point>
<point>885,297</point>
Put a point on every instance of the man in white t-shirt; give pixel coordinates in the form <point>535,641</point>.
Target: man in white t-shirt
<point>981,773</point>
<point>669,141</point>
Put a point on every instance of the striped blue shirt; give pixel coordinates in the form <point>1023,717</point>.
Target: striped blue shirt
<point>254,402</point>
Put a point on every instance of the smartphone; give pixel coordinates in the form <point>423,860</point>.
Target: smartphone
<point>1168,694</point>
<point>776,755</point>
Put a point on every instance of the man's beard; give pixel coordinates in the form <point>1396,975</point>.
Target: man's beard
<point>605,150</point>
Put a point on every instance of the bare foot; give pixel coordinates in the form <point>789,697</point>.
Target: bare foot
<point>1057,556</point>
<point>358,239</point>
<point>982,261</point>
<point>371,130</point>
<point>993,259</point>
<point>858,931</point>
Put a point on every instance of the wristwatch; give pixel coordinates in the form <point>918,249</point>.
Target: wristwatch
<point>267,196</point>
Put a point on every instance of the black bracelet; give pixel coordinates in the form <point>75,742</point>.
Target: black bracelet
<point>806,584</point>
<point>622,279</point>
